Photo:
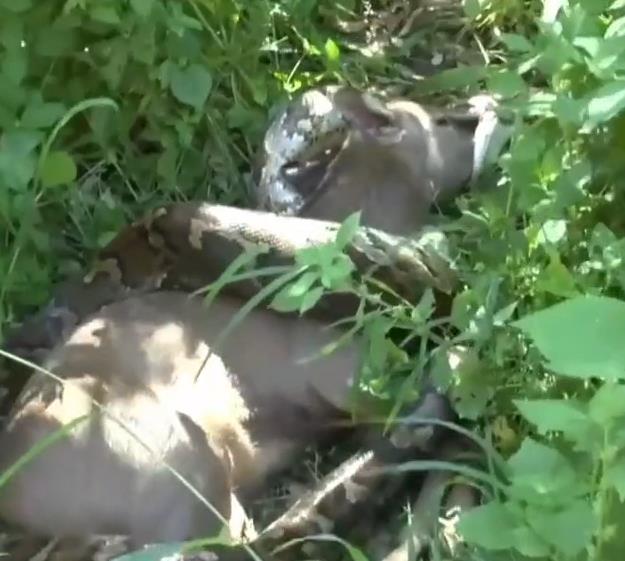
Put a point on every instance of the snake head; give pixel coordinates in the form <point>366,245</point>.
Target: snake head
<point>317,141</point>
<point>307,136</point>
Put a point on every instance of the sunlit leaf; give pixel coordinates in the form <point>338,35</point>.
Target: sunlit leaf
<point>57,169</point>
<point>506,83</point>
<point>554,414</point>
<point>347,230</point>
<point>551,9</point>
<point>540,468</point>
<point>581,337</point>
<point>605,103</point>
<point>614,476</point>
<point>556,279</point>
<point>608,404</point>
<point>491,526</point>
<point>332,51</point>
<point>516,42</point>
<point>568,530</point>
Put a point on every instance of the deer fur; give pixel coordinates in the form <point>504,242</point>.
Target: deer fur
<point>252,406</point>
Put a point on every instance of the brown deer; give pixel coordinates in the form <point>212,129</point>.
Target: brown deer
<point>390,159</point>
<point>223,420</point>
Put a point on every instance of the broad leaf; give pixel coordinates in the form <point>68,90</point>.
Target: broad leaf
<point>614,476</point>
<point>506,83</point>
<point>540,468</point>
<point>190,85</point>
<point>556,279</point>
<point>608,404</point>
<point>491,526</point>
<point>606,102</point>
<point>39,114</point>
<point>568,530</point>
<point>555,415</point>
<point>332,51</point>
<point>57,169</point>
<point>17,159</point>
<point>347,230</point>
<point>581,337</point>
<point>142,8</point>
<point>298,295</point>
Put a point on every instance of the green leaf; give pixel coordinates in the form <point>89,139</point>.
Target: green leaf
<point>616,28</point>
<point>347,230</point>
<point>57,169</point>
<point>473,387</point>
<point>300,286</point>
<point>569,530</point>
<point>556,279</point>
<point>604,52</point>
<point>11,32</point>
<point>473,8</point>
<point>614,476</point>
<point>491,526</point>
<point>569,111</point>
<point>332,51</point>
<point>567,416</point>
<point>55,41</point>
<point>582,337</point>
<point>424,308</point>
<point>20,142</point>
<point>607,102</point>
<point>105,238</point>
<point>311,298</point>
<point>540,468</point>
<point>17,158</point>
<point>105,13</point>
<point>608,404</point>
<point>190,85</point>
<point>311,256</point>
<point>14,65</point>
<point>293,296</point>
<point>506,83</point>
<point>40,114</point>
<point>528,543</point>
<point>142,8</point>
<point>517,43</point>
<point>336,274</point>
<point>552,232</point>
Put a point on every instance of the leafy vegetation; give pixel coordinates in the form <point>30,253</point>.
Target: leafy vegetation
<point>108,107</point>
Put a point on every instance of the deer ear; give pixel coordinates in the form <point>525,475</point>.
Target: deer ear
<point>369,115</point>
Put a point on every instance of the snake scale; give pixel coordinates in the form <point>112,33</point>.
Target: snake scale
<point>186,246</point>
